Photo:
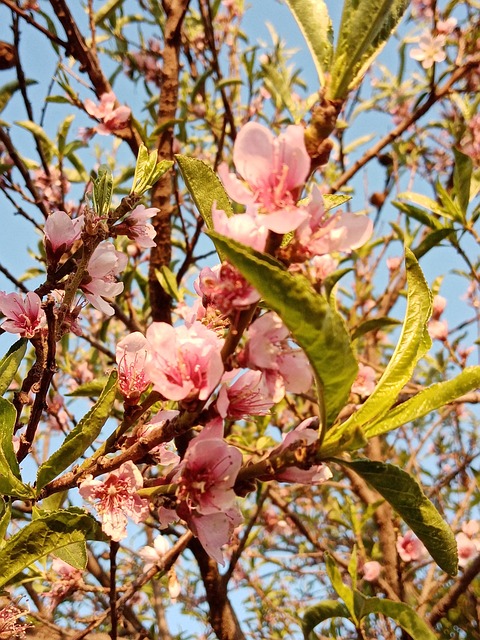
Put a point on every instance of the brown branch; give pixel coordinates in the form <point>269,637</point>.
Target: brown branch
<point>450,598</point>
<point>161,254</point>
<point>89,63</point>
<point>28,18</point>
<point>221,614</point>
<point>435,96</point>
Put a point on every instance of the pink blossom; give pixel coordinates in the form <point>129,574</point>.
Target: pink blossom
<point>52,186</point>
<point>105,264</point>
<point>321,233</point>
<point>446,26</point>
<point>224,288</point>
<point>364,383</point>
<point>302,434</point>
<point>438,329</point>
<point>184,363</point>
<point>154,555</point>
<point>322,266</point>
<point>131,354</point>
<point>274,171</point>
<point>371,570</point>
<point>247,396</point>
<point>206,497</point>
<point>117,498</point>
<point>471,528</point>
<point>269,350</point>
<point>431,49</point>
<point>246,228</point>
<point>10,625</point>
<point>438,306</point>
<point>136,227</point>
<point>468,549</point>
<point>24,315</point>
<point>112,119</point>
<point>393,264</point>
<point>410,548</point>
<point>60,233</point>
<point>68,579</point>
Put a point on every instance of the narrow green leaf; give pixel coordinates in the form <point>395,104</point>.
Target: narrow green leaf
<point>7,90</point>
<point>365,27</point>
<point>102,191</point>
<point>204,187</point>
<point>315,326</point>
<point>373,325</point>
<point>333,200</point>
<point>5,517</point>
<point>148,170</point>
<point>451,207</point>
<point>315,24</point>
<point>81,437</point>
<point>320,612</point>
<point>432,240</point>
<point>40,134</point>
<point>406,617</point>
<point>10,480</point>
<point>43,536</point>
<point>90,389</point>
<point>412,505</point>
<point>168,280</point>
<point>418,214</point>
<point>412,345</point>
<point>426,401</point>
<point>10,362</point>
<point>462,178</point>
<point>343,591</point>
<point>106,10</point>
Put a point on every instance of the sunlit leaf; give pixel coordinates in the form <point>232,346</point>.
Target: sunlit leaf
<point>10,479</point>
<point>320,612</point>
<point>315,24</point>
<point>205,187</point>
<point>315,326</point>
<point>405,495</point>
<point>44,536</point>
<point>413,344</point>
<point>10,362</point>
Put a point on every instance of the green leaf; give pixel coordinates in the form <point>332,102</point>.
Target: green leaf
<point>412,505</point>
<point>10,480</point>
<point>365,27</point>
<point>106,9</point>
<point>10,362</point>
<point>147,170</point>
<point>7,90</point>
<point>315,24</point>
<point>343,591</point>
<point>39,133</point>
<point>102,191</point>
<point>81,437</point>
<point>406,617</point>
<point>418,214</point>
<point>426,401</point>
<point>319,613</point>
<point>462,178</point>
<point>333,200</point>
<point>74,554</point>
<point>315,326</point>
<point>168,280</point>
<point>204,187</point>
<point>413,344</point>
<point>90,389</point>
<point>43,536</point>
<point>373,325</point>
<point>432,240</point>
<point>5,517</point>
